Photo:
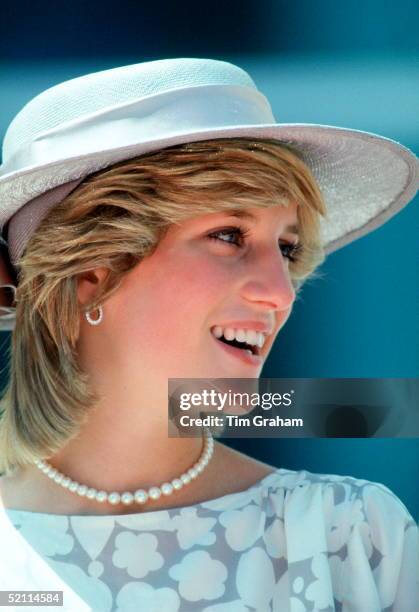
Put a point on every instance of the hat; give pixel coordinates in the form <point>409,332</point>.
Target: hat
<point>91,122</point>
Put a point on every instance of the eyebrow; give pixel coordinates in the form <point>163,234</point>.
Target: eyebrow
<point>243,214</point>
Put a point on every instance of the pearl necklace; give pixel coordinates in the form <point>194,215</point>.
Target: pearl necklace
<point>141,495</point>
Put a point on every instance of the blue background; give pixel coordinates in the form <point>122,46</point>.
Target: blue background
<point>348,64</point>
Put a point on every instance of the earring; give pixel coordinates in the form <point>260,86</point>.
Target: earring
<point>95,321</point>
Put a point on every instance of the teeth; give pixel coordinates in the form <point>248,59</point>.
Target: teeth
<point>240,335</point>
<point>217,331</point>
<point>252,337</point>
<point>249,336</point>
<point>229,333</point>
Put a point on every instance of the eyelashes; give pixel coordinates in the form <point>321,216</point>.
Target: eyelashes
<point>289,251</point>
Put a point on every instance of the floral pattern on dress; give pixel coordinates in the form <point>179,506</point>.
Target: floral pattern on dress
<point>293,542</point>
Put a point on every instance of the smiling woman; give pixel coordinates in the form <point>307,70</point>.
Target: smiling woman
<point>167,234</point>
<point>138,225</point>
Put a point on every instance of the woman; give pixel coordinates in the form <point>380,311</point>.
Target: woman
<point>141,224</point>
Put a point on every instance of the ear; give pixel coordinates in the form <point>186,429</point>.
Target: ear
<point>89,282</point>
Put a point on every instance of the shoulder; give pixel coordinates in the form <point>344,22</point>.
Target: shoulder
<point>344,487</point>
<point>374,499</point>
<point>361,499</point>
<point>372,541</point>
<point>357,531</point>
<point>356,518</point>
<point>347,497</point>
<point>336,512</point>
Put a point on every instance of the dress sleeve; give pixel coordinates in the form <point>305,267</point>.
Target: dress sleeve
<point>381,569</point>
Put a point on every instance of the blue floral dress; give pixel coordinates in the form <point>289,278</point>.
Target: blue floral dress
<point>294,541</point>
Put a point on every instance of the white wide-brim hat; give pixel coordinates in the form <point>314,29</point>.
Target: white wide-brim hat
<point>89,123</point>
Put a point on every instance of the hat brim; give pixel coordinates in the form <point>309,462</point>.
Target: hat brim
<point>365,178</point>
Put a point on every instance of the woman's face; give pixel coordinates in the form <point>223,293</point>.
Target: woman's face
<point>204,275</point>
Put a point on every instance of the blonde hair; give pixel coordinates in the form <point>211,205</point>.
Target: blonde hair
<point>114,219</point>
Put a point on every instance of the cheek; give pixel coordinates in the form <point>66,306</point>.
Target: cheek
<point>172,304</point>
<point>193,291</point>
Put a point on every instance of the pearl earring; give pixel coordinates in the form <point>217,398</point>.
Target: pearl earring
<point>95,321</point>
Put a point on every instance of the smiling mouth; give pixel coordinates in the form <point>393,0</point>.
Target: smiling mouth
<point>254,350</point>
<point>244,354</point>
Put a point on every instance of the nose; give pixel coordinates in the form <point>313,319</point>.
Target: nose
<point>268,281</point>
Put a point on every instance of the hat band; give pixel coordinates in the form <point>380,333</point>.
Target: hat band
<point>152,118</point>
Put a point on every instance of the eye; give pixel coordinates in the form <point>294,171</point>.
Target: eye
<point>289,251</point>
<point>232,231</point>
